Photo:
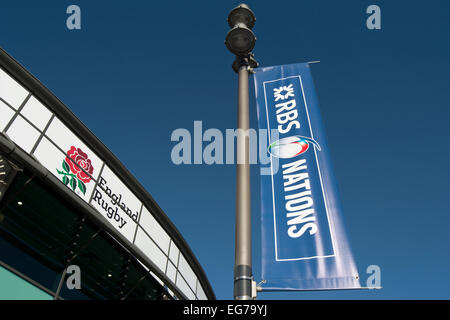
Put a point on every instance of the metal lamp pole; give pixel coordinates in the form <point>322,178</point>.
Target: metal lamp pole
<point>240,41</point>
<point>243,243</point>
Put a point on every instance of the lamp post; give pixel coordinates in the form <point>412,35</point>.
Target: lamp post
<point>240,40</point>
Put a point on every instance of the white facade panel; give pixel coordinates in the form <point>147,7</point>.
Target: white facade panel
<point>171,272</point>
<point>182,285</point>
<point>187,272</point>
<point>11,91</point>
<point>174,253</point>
<point>6,114</point>
<point>147,246</point>
<point>36,113</point>
<point>200,293</point>
<point>23,134</point>
<point>154,229</point>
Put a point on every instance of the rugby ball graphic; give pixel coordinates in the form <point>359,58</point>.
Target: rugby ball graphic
<point>291,147</point>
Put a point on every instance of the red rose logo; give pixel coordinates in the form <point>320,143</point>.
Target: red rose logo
<point>82,161</point>
<point>77,168</point>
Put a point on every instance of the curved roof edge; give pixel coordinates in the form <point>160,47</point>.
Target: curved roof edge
<point>71,121</point>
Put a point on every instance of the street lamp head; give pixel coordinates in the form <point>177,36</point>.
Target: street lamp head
<point>240,40</point>
<point>241,14</point>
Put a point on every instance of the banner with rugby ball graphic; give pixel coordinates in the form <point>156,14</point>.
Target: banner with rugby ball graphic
<point>304,244</point>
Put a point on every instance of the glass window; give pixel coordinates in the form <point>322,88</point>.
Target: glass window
<point>18,288</point>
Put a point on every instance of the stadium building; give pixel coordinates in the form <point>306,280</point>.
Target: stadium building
<point>67,202</point>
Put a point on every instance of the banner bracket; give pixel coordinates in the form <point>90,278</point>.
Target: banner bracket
<point>258,286</point>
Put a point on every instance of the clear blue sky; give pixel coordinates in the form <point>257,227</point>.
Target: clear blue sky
<point>138,70</point>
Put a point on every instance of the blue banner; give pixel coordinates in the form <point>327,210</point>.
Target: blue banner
<point>304,244</point>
